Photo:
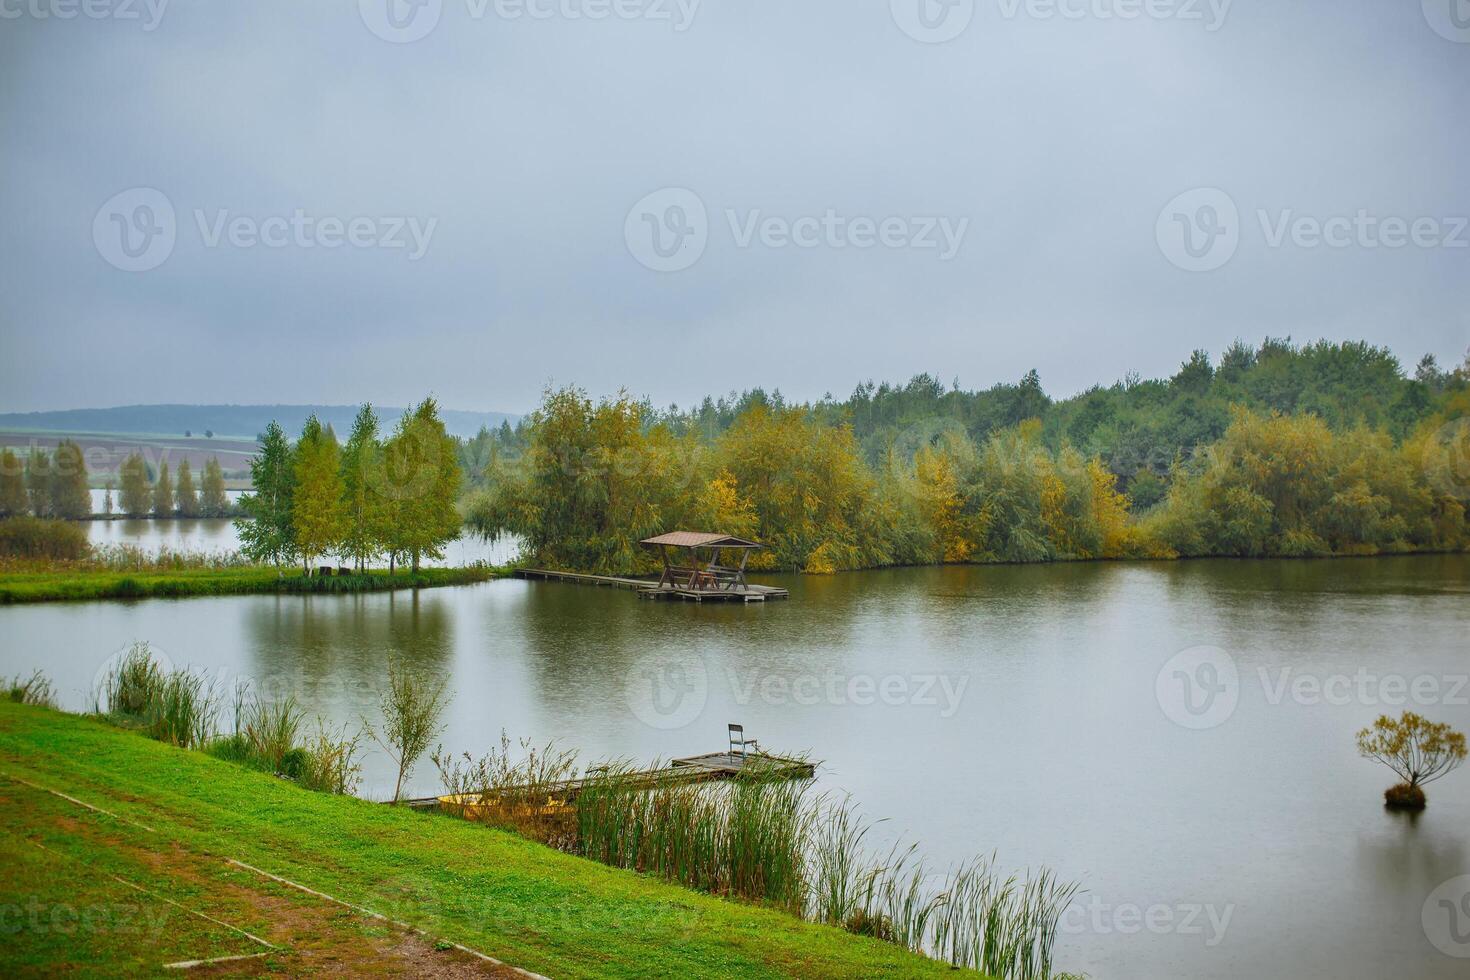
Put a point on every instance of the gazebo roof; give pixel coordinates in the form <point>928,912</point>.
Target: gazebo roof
<point>700,539</point>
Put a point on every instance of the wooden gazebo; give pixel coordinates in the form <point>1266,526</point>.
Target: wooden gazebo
<point>695,561</point>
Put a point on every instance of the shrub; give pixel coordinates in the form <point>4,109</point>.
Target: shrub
<point>294,763</point>
<point>1418,750</point>
<point>32,537</point>
<point>411,708</point>
<point>231,748</point>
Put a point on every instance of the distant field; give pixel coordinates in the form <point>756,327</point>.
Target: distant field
<point>237,422</point>
<point>104,452</point>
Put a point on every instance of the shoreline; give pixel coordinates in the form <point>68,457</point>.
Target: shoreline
<point>82,585</point>
<point>22,586</point>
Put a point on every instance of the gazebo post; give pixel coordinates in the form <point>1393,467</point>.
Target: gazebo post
<point>699,573</point>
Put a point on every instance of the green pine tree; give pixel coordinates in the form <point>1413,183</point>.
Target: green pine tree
<point>70,496</point>
<point>163,492</point>
<point>14,502</point>
<point>107,500</point>
<point>265,531</point>
<point>135,496</point>
<point>213,502</point>
<point>185,497</point>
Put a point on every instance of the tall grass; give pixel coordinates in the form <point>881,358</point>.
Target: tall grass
<point>330,760</point>
<point>178,707</point>
<point>132,558</point>
<point>775,842</point>
<point>266,736</point>
<point>269,730</point>
<point>519,794</point>
<point>131,684</point>
<point>841,883</point>
<point>1005,927</point>
<point>35,689</point>
<point>743,838</point>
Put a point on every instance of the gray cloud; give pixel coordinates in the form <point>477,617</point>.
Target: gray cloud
<point>1060,140</point>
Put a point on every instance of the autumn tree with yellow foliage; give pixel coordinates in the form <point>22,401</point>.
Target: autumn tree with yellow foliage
<point>596,478</point>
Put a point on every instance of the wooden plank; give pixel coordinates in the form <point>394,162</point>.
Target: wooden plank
<point>710,767</point>
<point>648,588</point>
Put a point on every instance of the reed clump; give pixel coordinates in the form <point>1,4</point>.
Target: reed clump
<point>35,689</point>
<point>177,706</point>
<point>330,763</point>
<point>267,736</point>
<point>516,793</point>
<point>774,841</point>
<point>182,708</point>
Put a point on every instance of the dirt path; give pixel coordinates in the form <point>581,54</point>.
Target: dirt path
<point>75,864</point>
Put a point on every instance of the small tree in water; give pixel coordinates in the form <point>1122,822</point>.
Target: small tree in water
<point>411,709</point>
<point>1419,750</point>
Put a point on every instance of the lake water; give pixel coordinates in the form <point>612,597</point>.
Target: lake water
<point>218,536</point>
<point>1177,737</point>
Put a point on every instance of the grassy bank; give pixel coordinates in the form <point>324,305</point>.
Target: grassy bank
<point>43,583</point>
<point>181,816</point>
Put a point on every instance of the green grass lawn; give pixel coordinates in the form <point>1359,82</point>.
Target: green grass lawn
<point>494,892</point>
<point>44,585</point>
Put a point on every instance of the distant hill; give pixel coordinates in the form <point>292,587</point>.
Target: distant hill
<point>246,421</point>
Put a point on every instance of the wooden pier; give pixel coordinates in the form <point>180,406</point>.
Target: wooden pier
<point>655,589</point>
<point>708,768</point>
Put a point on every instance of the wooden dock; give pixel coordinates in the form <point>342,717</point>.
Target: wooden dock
<point>708,768</point>
<point>651,589</point>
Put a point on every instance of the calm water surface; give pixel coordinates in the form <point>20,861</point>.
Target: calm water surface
<point>218,536</point>
<point>1221,824</point>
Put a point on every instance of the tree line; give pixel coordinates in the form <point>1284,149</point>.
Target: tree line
<point>582,482</point>
<point>56,485</point>
<point>369,498</point>
<point>1138,428</point>
<point>138,496</point>
<point>46,485</point>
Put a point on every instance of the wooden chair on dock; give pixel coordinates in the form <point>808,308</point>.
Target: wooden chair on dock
<point>738,741</point>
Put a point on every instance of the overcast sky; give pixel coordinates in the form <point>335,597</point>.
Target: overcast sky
<point>972,207</point>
